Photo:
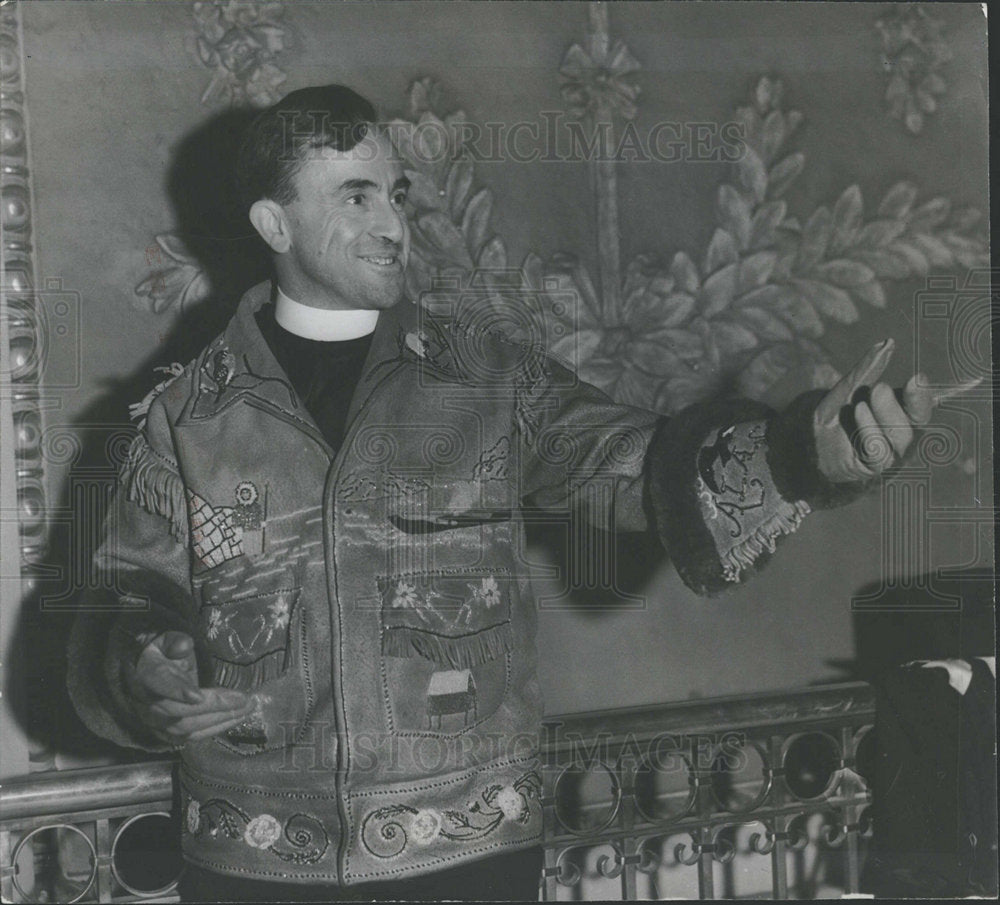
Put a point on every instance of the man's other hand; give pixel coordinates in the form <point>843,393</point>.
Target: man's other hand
<point>167,698</point>
<point>860,426</point>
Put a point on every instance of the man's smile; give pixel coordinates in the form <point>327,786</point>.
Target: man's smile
<point>381,260</point>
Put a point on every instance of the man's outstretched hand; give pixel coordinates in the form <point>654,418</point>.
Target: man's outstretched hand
<point>860,426</point>
<point>165,692</point>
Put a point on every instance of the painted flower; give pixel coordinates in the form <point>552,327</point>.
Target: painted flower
<point>490,592</point>
<point>215,623</point>
<point>406,595</point>
<point>262,831</point>
<point>193,816</point>
<point>279,613</point>
<point>425,826</point>
<point>511,802</point>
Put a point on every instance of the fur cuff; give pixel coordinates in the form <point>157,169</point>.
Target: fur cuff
<point>711,494</point>
<point>794,462</point>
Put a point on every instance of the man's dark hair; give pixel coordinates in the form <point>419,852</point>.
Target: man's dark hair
<point>331,116</point>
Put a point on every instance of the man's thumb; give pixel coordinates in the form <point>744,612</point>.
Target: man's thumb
<point>177,645</point>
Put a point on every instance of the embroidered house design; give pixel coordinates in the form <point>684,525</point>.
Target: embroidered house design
<point>451,691</point>
<point>214,538</point>
<point>222,533</point>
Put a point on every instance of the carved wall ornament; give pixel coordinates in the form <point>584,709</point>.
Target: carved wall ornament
<point>239,40</point>
<point>914,51</point>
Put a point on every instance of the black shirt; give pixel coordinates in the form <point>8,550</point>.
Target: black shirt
<point>323,373</point>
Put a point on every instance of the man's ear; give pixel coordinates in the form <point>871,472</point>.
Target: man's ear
<point>268,218</point>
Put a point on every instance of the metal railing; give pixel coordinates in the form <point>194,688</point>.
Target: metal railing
<point>638,803</point>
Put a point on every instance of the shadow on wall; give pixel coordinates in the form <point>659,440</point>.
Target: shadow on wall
<point>209,220</point>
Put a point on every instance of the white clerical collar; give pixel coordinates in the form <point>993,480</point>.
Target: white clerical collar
<point>325,324</point>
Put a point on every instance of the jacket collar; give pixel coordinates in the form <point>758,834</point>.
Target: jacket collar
<point>238,366</point>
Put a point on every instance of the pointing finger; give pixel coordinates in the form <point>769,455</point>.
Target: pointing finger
<point>891,418</point>
<point>873,448</point>
<point>918,399</point>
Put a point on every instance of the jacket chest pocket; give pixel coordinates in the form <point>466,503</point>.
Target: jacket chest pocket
<point>249,635</point>
<point>253,627</point>
<point>446,640</point>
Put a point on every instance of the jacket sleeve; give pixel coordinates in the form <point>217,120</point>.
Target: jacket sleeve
<point>144,560</point>
<point>720,482</point>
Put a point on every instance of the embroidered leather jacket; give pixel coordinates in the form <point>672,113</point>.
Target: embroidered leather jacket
<point>374,599</point>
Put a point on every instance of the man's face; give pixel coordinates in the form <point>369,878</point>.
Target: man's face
<point>350,239</point>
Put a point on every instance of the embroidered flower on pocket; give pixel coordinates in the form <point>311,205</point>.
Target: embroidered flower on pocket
<point>279,614</point>
<point>215,623</point>
<point>426,826</point>
<point>405,595</point>
<point>262,831</point>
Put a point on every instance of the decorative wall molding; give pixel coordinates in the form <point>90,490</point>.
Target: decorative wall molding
<point>24,318</point>
<point>914,51</point>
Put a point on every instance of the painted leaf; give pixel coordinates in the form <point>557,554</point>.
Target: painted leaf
<point>830,301</point>
<point>424,193</point>
<point>458,185</point>
<point>885,263</point>
<point>870,293</point>
<point>898,200</point>
<point>684,272</point>
<point>752,174</point>
<point>772,136</point>
<point>654,358</point>
<point>879,232</point>
<point>174,246</point>
<point>847,214</point>
<point>755,270</point>
<point>734,214</point>
<point>844,272</point>
<point>815,238</point>
<point>935,250</point>
<point>798,313</point>
<point>765,222</point>
<point>493,255</point>
<point>733,338</point>
<point>966,218</point>
<point>765,324</point>
<point>635,389</point>
<point>784,173</point>
<point>476,219</point>
<point>721,251</point>
<point>602,372</point>
<point>929,215</point>
<point>916,260</point>
<point>578,347</point>
<point>655,311</point>
<point>446,240</point>
<point>579,281</point>
<point>687,344</point>
<point>766,369</point>
<point>718,290</point>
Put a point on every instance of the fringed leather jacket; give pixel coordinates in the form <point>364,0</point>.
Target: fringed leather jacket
<point>374,600</point>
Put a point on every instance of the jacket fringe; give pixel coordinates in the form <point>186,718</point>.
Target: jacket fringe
<point>457,653</point>
<point>745,553</point>
<point>151,483</point>
<point>248,676</point>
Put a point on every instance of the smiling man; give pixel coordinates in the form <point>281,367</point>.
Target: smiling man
<point>319,539</point>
